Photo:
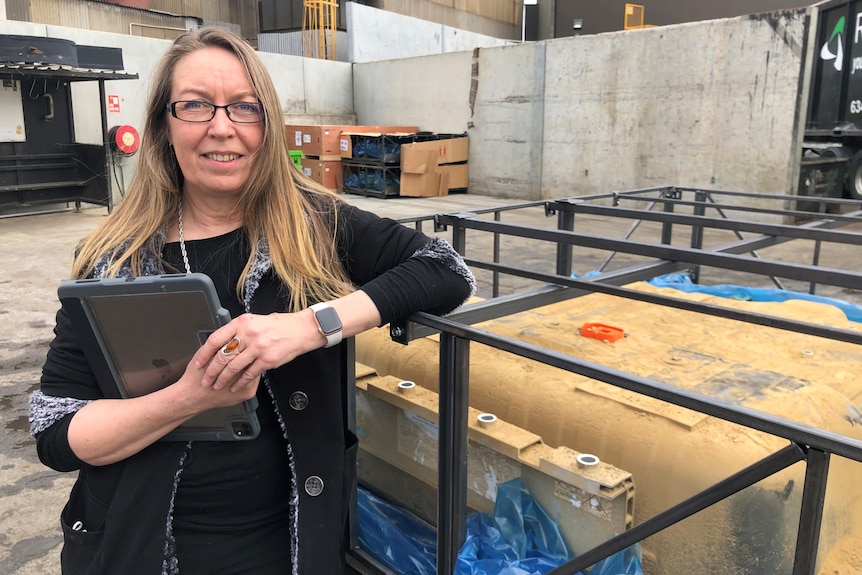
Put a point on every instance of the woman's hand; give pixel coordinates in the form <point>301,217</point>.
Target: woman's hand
<point>235,355</point>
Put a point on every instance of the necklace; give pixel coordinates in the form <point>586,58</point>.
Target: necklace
<point>182,239</point>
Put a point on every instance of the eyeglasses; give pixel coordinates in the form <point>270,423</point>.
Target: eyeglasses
<point>201,111</point>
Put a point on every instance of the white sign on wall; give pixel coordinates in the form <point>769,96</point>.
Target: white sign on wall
<point>11,112</point>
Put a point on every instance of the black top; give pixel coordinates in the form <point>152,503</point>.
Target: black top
<point>232,508</point>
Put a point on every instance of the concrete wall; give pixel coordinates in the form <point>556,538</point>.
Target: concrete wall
<point>710,104</point>
<point>507,123</point>
<point>431,92</point>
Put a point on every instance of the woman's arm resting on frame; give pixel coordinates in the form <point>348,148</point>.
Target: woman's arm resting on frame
<point>270,341</point>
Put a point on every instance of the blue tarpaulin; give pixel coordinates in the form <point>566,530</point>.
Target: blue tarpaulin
<point>683,282</point>
<point>520,539</point>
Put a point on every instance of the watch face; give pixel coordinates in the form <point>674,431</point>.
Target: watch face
<point>328,320</point>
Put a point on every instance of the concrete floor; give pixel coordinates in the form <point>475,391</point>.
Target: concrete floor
<point>38,256</point>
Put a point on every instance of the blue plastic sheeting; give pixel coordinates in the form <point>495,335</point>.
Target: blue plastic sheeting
<point>396,538</point>
<point>520,539</point>
<point>626,562</point>
<point>683,282</point>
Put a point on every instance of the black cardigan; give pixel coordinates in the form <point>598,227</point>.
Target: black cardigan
<point>400,269</point>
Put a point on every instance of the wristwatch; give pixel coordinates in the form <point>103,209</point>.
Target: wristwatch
<point>328,323</point>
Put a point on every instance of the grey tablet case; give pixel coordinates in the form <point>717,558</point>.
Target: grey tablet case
<point>140,333</point>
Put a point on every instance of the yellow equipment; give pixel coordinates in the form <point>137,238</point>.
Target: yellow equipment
<point>634,18</point>
<point>319,20</point>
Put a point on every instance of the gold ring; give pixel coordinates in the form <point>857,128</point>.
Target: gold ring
<point>230,347</point>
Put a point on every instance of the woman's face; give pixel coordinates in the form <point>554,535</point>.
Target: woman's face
<point>216,157</point>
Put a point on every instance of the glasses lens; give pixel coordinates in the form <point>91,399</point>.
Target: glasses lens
<point>245,112</point>
<point>193,110</point>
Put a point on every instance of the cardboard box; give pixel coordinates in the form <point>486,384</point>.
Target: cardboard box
<point>424,185</point>
<point>314,140</point>
<point>324,140</point>
<point>421,161</point>
<point>374,146</point>
<point>326,172</point>
<point>449,150</point>
<point>420,176</point>
<point>459,175</point>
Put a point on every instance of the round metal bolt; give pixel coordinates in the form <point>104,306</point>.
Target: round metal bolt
<point>587,460</point>
<point>405,386</point>
<point>486,419</point>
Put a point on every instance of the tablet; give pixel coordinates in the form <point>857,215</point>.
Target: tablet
<point>139,334</point>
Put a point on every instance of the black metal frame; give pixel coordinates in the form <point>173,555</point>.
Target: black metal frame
<point>95,190</point>
<point>810,445</point>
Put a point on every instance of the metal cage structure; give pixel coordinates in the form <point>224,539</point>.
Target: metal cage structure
<point>702,214</point>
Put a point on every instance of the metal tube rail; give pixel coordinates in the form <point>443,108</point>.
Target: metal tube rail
<point>801,272</point>
<point>748,209</point>
<point>814,446</point>
<point>452,454</point>
<point>560,288</point>
<point>811,513</point>
<point>809,231</point>
<point>756,195</point>
<point>721,212</point>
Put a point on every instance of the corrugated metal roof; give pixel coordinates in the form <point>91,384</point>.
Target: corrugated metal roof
<point>12,70</point>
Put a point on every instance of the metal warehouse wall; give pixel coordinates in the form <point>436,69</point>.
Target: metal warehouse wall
<point>97,16</point>
<point>165,20</point>
<point>381,35</point>
<point>498,18</point>
<point>287,15</point>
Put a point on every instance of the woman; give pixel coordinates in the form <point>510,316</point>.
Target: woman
<point>298,269</point>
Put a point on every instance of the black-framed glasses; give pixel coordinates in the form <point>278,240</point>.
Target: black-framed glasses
<point>203,111</point>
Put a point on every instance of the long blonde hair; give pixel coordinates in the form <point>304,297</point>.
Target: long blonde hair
<point>295,215</point>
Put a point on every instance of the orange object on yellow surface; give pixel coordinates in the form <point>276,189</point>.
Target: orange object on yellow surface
<point>602,332</point>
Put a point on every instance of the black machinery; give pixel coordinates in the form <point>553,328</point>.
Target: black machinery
<point>40,160</point>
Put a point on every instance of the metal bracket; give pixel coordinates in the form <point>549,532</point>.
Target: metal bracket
<point>401,331</point>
